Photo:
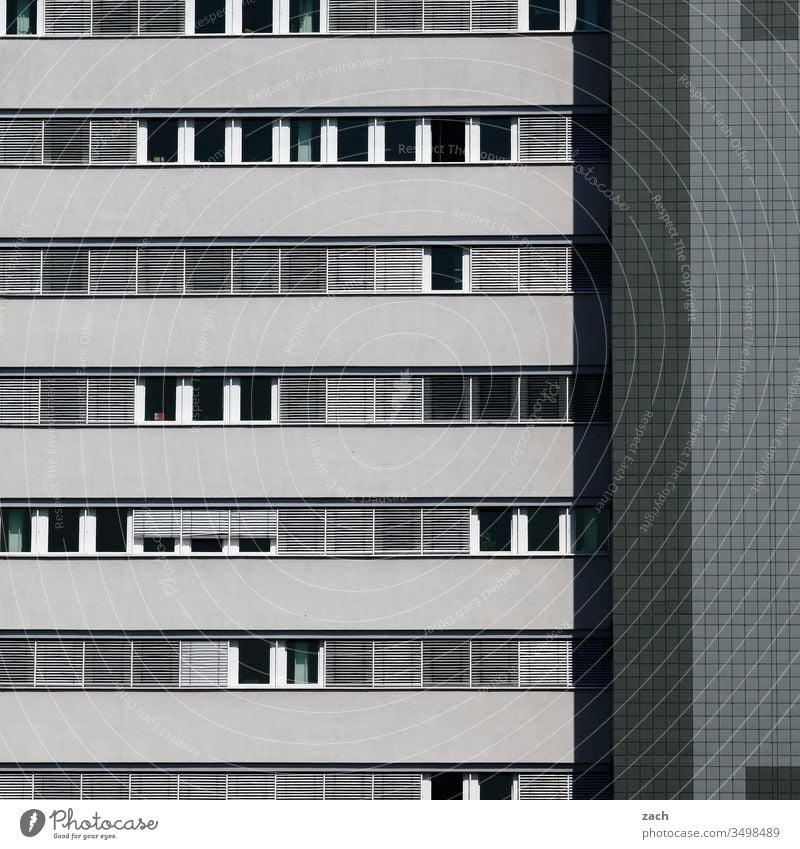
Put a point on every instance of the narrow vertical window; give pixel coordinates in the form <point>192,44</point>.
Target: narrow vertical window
<point>305,139</point>
<point>592,15</point>
<point>21,17</point>
<point>15,530</point>
<point>256,399</point>
<point>544,529</point>
<point>207,399</point>
<point>447,269</point>
<point>544,14</point>
<point>591,530</point>
<point>256,16</point>
<point>302,661</point>
<point>209,17</point>
<point>111,530</point>
<point>209,140</point>
<point>63,529</point>
<point>254,665</point>
<point>162,141</point>
<point>353,139</point>
<point>495,528</point>
<point>159,399</point>
<point>303,15</point>
<point>256,140</point>
<point>400,140</point>
<point>495,139</point>
<point>448,140</point>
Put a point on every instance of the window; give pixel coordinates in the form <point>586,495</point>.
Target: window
<point>256,399</point>
<point>494,397</point>
<point>254,662</point>
<point>497,786</point>
<point>448,136</point>
<point>162,141</point>
<point>400,140</point>
<point>256,140</point>
<point>207,545</point>
<point>209,140</point>
<point>64,529</point>
<point>256,16</point>
<point>447,269</point>
<point>21,17</point>
<point>159,399</point>
<point>590,529</point>
<point>353,139</point>
<point>544,525</point>
<point>305,136</point>
<point>208,399</point>
<point>209,17</point>
<point>446,398</point>
<point>15,530</point>
<point>158,545</point>
<point>592,15</point>
<point>544,14</point>
<point>447,785</point>
<point>495,139</point>
<point>495,528</point>
<point>255,545</point>
<point>303,15</point>
<point>111,530</point>
<point>302,661</point>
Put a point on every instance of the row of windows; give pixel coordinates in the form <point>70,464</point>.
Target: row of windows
<point>216,17</point>
<point>118,664</point>
<point>259,270</point>
<point>111,783</point>
<point>298,531</point>
<point>217,141</point>
<point>399,399</point>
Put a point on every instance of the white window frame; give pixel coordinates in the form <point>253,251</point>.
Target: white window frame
<point>90,534</point>
<point>139,404</point>
<point>517,528</point>
<point>372,147</point>
<point>474,147</point>
<point>563,531</point>
<point>185,143</point>
<point>427,272</point>
<point>188,142</point>
<point>233,667</point>
<point>278,660</point>
<point>567,15</point>
<point>34,549</point>
<point>283,664</point>
<point>234,402</point>
<point>44,528</point>
<point>473,786</point>
<point>186,398</point>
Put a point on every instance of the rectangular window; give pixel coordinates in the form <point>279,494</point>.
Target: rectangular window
<point>256,399</point>
<point>63,529</point>
<point>208,399</point>
<point>207,545</point>
<point>544,14</point>
<point>447,785</point>
<point>497,786</point>
<point>256,140</point>
<point>400,140</point>
<point>15,530</point>
<point>495,139</point>
<point>544,529</point>
<point>447,269</point>
<point>303,15</point>
<point>111,529</point>
<point>591,530</point>
<point>162,141</point>
<point>495,528</point>
<point>592,15</point>
<point>21,17</point>
<point>446,398</point>
<point>255,545</point>
<point>254,662</point>
<point>158,545</point>
<point>448,136</point>
<point>209,17</point>
<point>494,397</point>
<point>256,16</point>
<point>302,661</point>
<point>209,140</point>
<point>159,399</point>
<point>305,139</point>
<point>352,140</point>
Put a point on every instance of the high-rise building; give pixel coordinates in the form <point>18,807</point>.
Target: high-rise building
<point>303,405</point>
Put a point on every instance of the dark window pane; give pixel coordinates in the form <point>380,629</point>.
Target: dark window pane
<point>305,139</point>
<point>162,141</point>
<point>543,528</point>
<point>207,399</point>
<point>21,17</point>
<point>159,399</point>
<point>591,530</point>
<point>209,16</point>
<point>15,529</point>
<point>63,529</point>
<point>209,140</point>
<point>303,15</point>
<point>592,15</point>
<point>446,398</point>
<point>496,139</point>
<point>448,135</point>
<point>447,269</point>
<point>252,545</point>
<point>256,140</point>
<point>447,785</point>
<point>212,545</point>
<point>159,545</point>
<point>352,140</point>
<point>494,397</point>
<point>111,529</point>
<point>495,528</point>
<point>256,15</point>
<point>498,786</point>
<point>256,399</point>
<point>400,140</point>
<point>254,662</point>
<point>302,661</point>
<point>544,14</point>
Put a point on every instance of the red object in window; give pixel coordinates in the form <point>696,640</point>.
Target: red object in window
<point>159,417</point>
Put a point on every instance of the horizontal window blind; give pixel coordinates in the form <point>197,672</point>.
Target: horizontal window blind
<point>422,15</point>
<point>545,785</point>
<point>67,401</point>
<point>564,138</point>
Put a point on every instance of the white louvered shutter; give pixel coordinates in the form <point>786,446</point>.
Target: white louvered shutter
<point>254,524</point>
<point>394,16</point>
<point>348,663</point>
<point>63,401</point>
<point>591,268</point>
<point>303,271</point>
<point>495,663</point>
<point>114,17</point>
<point>162,17</point>
<point>398,530</point>
<point>160,271</point>
<point>57,785</point>
<point>301,400</point>
<point>545,268</point>
<point>349,530</point>
<point>112,271</point>
<point>20,141</point>
<point>256,271</point>
<point>107,665</point>
<point>301,530</point>
<point>350,400</point>
<point>351,15</point>
<point>156,523</point>
<point>397,785</point>
<point>208,271</point>
<point>204,663</point>
<point>398,663</point>
<point>19,400</point>
<point>398,400</point>
<point>398,269</point>
<point>67,17</point>
<point>105,785</point>
<point>494,270</point>
<point>545,664</point>
<point>59,663</point>
<point>154,786</point>
<point>445,663</point>
<point>156,664</point>
<point>590,138</point>
<point>202,785</point>
<point>299,785</point>
<point>445,530</point>
<point>544,138</point>
<point>20,271</point>
<point>65,271</point>
<point>495,15</point>
<point>66,141</point>
<point>113,141</point>
<point>16,785</point>
<point>251,785</point>
<point>355,786</point>
<point>545,785</point>
<point>447,15</point>
<point>351,270</point>
<point>16,663</point>
<point>591,663</point>
<point>111,400</point>
<point>206,524</point>
<point>544,397</point>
